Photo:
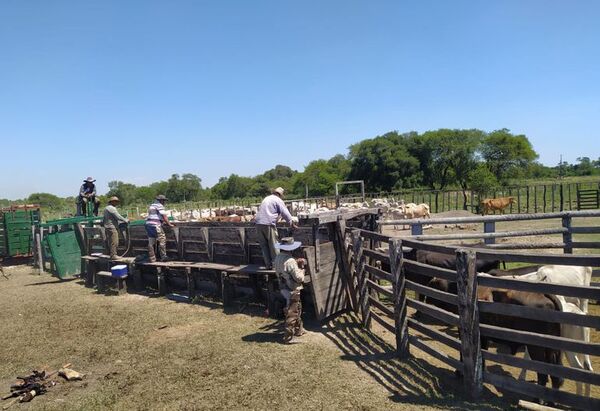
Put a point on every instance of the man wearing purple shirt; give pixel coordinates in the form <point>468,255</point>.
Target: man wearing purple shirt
<point>270,210</point>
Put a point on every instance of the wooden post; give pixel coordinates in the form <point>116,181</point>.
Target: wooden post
<point>345,270</point>
<point>468,326</point>
<point>359,267</point>
<point>570,199</point>
<point>399,286</point>
<point>191,286</point>
<point>568,236</point>
<point>489,227</point>
<point>527,196</point>
<point>553,195</point>
<point>562,198</point>
<point>40,252</point>
<point>545,189</point>
<point>535,199</point>
<point>161,281</point>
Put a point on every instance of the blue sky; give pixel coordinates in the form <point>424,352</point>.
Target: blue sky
<point>138,90</point>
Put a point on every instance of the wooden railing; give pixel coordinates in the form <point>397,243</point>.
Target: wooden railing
<point>382,296</point>
<point>489,234</point>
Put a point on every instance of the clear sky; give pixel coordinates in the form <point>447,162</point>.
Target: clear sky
<point>138,90</point>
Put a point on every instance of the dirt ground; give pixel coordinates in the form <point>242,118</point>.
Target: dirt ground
<point>142,352</point>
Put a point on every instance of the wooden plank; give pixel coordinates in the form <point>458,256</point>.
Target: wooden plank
<point>381,306</point>
<point>386,291</point>
<point>540,258</point>
<point>496,218</point>
<point>382,322</point>
<point>440,355</point>
<point>540,287</point>
<point>540,314</point>
<point>585,244</point>
<point>497,234</point>
<point>526,246</point>
<point>376,255</point>
<point>430,270</point>
<point>371,235</point>
<point>537,391</point>
<point>433,311</point>
<point>585,230</point>
<point>543,340</point>
<point>399,292</point>
<point>562,371</point>
<point>432,292</point>
<point>379,273</point>
<point>434,334</point>
<point>436,248</point>
<point>468,325</point>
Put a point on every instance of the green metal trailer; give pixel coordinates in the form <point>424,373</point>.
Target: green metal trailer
<point>16,229</point>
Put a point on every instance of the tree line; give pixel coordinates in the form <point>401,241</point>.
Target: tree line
<point>467,159</point>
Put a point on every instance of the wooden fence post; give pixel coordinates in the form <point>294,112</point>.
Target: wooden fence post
<point>568,236</point>
<point>399,286</point>
<point>468,326</point>
<point>359,268</point>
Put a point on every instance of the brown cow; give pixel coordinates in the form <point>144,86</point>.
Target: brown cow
<point>493,204</point>
<point>522,298</point>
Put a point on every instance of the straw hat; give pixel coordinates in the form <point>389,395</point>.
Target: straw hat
<point>288,244</point>
<point>279,191</point>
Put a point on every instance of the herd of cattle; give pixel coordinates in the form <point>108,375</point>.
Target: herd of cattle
<point>567,275</point>
<point>391,209</point>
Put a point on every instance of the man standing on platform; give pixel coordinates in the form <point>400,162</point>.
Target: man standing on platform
<point>271,209</point>
<point>157,216</point>
<point>112,219</point>
<point>290,273</point>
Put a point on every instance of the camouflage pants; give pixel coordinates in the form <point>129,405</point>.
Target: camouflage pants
<point>112,241</point>
<point>293,317</point>
<point>156,234</point>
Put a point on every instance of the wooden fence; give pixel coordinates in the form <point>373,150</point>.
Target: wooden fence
<point>388,305</point>
<point>489,235</point>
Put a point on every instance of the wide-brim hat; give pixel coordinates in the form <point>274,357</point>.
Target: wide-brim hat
<point>114,199</point>
<point>161,197</point>
<point>89,180</point>
<point>288,244</point>
<point>278,190</point>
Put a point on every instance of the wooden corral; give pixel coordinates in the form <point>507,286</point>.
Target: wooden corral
<point>227,258</point>
<point>388,304</point>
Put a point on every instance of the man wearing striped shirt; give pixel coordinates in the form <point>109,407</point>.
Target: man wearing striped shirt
<point>157,216</point>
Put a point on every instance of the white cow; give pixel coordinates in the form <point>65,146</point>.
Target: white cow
<point>412,210</point>
<point>564,274</point>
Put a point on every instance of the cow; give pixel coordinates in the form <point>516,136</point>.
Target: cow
<point>493,204</point>
<point>522,298</point>
<point>412,210</point>
<point>563,274</point>
<point>575,332</point>
<point>440,260</point>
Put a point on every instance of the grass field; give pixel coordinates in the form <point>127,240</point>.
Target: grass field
<point>141,352</point>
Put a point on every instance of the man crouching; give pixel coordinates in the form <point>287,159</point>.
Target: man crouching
<point>290,273</point>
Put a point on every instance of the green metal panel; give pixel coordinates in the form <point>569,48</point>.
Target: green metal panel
<point>66,253</point>
<point>16,230</point>
<point>2,236</point>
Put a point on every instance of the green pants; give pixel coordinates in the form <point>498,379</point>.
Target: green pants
<point>267,238</point>
<point>112,241</point>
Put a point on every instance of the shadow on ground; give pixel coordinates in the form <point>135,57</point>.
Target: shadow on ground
<point>414,381</point>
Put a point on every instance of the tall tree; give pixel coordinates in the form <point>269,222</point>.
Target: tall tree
<point>507,155</point>
<point>384,162</point>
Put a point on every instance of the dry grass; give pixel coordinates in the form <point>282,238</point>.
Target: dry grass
<point>203,358</point>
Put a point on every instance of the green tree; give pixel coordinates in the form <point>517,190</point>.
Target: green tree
<point>46,200</point>
<point>185,188</point>
<point>125,191</point>
<point>507,155</point>
<point>482,180</point>
<point>384,162</point>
